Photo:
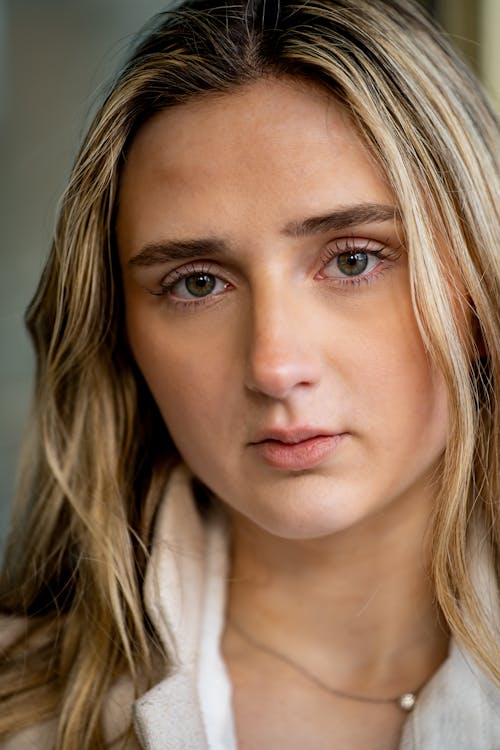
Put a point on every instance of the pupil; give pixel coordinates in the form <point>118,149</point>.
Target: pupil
<point>200,284</point>
<point>352,264</point>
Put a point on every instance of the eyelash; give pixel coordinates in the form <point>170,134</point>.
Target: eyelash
<point>178,274</point>
<point>385,255</point>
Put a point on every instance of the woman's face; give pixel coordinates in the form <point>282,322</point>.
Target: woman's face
<point>268,307</point>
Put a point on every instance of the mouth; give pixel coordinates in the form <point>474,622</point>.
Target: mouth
<point>297,450</point>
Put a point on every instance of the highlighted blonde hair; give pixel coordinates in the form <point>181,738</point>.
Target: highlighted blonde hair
<point>89,490</point>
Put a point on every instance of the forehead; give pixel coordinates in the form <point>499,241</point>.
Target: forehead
<point>268,152</point>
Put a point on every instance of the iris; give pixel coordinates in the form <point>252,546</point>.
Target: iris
<point>200,284</point>
<point>352,264</point>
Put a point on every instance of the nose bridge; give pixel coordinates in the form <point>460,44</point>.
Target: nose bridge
<point>281,353</point>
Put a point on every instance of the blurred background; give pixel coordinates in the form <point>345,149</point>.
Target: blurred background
<point>55,56</point>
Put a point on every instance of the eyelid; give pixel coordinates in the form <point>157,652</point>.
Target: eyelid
<point>386,249</point>
<point>192,267</point>
<point>357,244</point>
<point>345,245</point>
<point>176,275</point>
<point>387,253</point>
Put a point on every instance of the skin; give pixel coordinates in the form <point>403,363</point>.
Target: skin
<point>329,562</point>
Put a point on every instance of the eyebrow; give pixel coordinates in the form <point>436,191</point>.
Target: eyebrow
<point>163,251</point>
<point>342,218</point>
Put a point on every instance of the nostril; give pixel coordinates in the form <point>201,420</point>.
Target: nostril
<point>277,377</point>
<point>281,353</point>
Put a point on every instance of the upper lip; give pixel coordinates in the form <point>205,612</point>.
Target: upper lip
<point>295,435</point>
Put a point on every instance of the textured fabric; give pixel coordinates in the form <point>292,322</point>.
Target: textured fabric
<point>213,681</point>
<point>169,716</point>
<point>185,597</point>
<point>459,709</point>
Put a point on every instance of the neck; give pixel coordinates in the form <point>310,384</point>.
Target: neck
<point>363,597</point>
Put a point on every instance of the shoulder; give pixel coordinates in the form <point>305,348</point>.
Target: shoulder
<point>42,737</point>
<point>117,722</point>
<point>37,737</point>
<point>117,713</point>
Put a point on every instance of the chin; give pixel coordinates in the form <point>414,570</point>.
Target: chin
<point>303,518</point>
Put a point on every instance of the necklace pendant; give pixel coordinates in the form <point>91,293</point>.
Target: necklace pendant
<point>407,701</point>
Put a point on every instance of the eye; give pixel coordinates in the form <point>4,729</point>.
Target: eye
<point>196,286</point>
<point>351,263</point>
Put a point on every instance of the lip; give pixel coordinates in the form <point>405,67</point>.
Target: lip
<point>297,450</point>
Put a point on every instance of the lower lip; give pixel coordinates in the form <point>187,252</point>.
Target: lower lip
<point>298,456</point>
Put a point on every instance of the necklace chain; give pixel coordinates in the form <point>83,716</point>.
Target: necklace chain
<point>406,701</point>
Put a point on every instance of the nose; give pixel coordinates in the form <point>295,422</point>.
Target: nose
<point>282,354</point>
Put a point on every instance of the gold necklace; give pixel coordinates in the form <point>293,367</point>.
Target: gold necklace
<point>406,701</point>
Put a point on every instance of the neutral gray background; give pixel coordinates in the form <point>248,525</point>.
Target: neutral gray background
<point>54,57</point>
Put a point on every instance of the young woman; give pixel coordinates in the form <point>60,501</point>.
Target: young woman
<point>259,500</point>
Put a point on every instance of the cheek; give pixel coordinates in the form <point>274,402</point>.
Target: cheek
<point>185,373</point>
<point>398,396</point>
<point>410,399</point>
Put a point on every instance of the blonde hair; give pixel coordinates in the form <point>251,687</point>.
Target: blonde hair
<point>82,524</point>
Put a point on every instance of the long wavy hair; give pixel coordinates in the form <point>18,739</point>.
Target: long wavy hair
<point>98,455</point>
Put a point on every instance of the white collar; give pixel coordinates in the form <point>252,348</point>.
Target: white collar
<point>185,588</point>
<point>184,594</point>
